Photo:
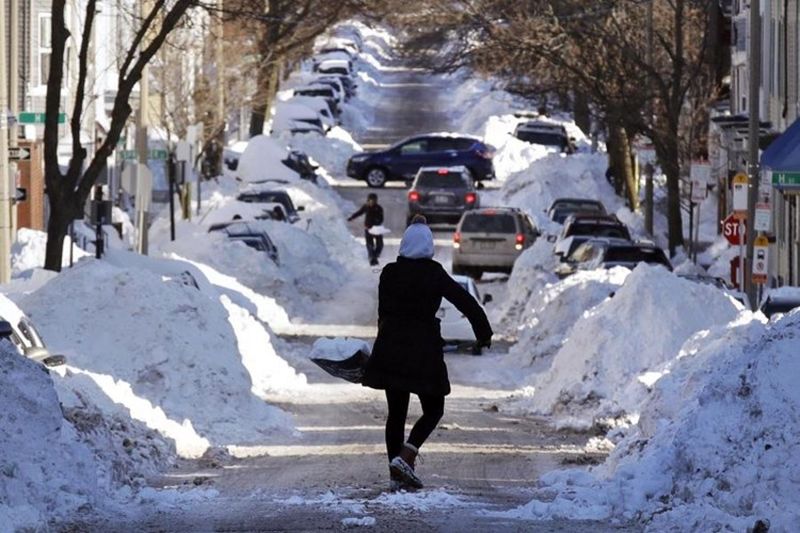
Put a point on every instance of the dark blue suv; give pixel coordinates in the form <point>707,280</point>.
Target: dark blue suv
<point>402,160</point>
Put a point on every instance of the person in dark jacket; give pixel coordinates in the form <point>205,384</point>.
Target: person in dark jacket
<point>407,355</point>
<point>373,216</point>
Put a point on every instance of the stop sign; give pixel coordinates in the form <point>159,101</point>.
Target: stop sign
<point>730,229</point>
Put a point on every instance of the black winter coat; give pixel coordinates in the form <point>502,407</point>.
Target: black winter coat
<point>407,354</point>
<point>373,215</point>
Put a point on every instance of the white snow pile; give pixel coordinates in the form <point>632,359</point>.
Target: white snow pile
<point>163,352</point>
<point>330,152</point>
<point>45,471</point>
<point>605,365</point>
<point>28,252</point>
<point>715,448</point>
<point>550,314</point>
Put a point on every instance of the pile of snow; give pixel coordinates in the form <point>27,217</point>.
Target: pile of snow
<point>330,152</point>
<point>550,313</point>
<point>716,445</point>
<point>614,351</point>
<point>163,352</point>
<point>28,252</point>
<point>45,471</point>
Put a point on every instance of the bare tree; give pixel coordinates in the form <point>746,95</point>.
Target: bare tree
<point>68,191</point>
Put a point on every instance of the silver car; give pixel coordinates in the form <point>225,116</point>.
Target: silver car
<point>490,240</point>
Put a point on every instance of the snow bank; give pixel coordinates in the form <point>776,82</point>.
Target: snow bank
<point>602,368</point>
<point>716,445</point>
<point>45,471</point>
<point>331,152</point>
<point>165,353</point>
<point>28,252</point>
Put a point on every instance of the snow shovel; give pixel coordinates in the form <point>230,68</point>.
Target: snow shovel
<point>350,369</point>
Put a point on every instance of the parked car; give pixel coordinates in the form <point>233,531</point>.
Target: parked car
<point>20,331</point>
<point>589,225</point>
<point>249,234</point>
<point>320,90</point>
<point>342,67</point>
<point>490,240</point>
<point>300,163</point>
<point>316,104</point>
<point>336,83</point>
<point>442,194</point>
<point>402,160</point>
<point>561,208</point>
<point>611,252</point>
<point>455,328</point>
<point>780,300</point>
<point>286,123</point>
<point>544,133</point>
<point>293,114</point>
<point>273,197</point>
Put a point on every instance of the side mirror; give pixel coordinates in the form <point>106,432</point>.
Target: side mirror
<point>301,208</point>
<point>487,298</point>
<point>54,360</point>
<point>5,329</point>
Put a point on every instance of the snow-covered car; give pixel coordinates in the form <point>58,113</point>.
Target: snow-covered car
<point>320,90</point>
<point>271,196</point>
<point>250,235</point>
<point>561,208</point>
<point>317,104</point>
<point>336,83</point>
<point>454,325</point>
<point>20,331</point>
<point>305,109</point>
<point>780,300</point>
<point>610,252</point>
<point>342,67</point>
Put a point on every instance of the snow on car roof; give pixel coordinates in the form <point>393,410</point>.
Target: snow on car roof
<point>332,63</point>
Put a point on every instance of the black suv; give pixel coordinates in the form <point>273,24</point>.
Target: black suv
<point>441,194</point>
<point>402,160</point>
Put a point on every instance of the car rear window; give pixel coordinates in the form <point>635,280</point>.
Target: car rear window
<point>489,223</point>
<point>451,180</point>
<point>599,230</point>
<point>540,137</point>
<point>636,255</point>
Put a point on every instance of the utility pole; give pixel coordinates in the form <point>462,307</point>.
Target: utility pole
<point>13,29</point>
<point>143,184</point>
<point>649,168</point>
<point>754,99</point>
<point>5,197</point>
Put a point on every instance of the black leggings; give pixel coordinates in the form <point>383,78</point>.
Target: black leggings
<point>432,411</point>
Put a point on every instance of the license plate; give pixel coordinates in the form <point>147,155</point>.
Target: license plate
<point>487,246</point>
<point>439,199</point>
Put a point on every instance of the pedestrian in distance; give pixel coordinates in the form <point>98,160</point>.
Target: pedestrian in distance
<point>407,356</point>
<point>373,216</point>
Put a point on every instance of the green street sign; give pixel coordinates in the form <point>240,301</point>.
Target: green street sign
<point>786,179</point>
<point>29,117</point>
<point>133,155</point>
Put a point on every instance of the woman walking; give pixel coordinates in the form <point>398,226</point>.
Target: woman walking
<point>407,355</point>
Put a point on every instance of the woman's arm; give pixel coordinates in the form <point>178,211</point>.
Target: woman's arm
<point>465,303</point>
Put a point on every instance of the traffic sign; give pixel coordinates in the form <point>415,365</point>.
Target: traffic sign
<point>760,259</point>
<point>133,155</point>
<point>29,117</point>
<point>18,154</point>
<point>763,217</point>
<point>730,229</point>
<point>740,195</point>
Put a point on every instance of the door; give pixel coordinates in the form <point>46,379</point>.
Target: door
<point>410,157</point>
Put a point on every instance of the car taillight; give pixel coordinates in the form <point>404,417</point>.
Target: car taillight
<point>470,197</point>
<point>520,241</point>
<point>413,196</point>
<point>456,240</point>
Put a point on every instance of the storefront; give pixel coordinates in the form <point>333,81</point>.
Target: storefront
<point>780,164</point>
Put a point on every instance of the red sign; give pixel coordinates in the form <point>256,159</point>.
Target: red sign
<point>730,229</point>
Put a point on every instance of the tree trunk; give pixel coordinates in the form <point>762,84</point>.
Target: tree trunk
<point>582,114</point>
<point>57,225</point>
<point>267,87</point>
<point>669,158</point>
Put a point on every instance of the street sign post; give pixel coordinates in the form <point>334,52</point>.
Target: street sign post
<point>18,153</point>
<point>730,230</point>
<point>760,260</point>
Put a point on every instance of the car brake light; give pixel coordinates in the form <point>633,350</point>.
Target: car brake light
<point>456,240</point>
<point>470,198</point>
<point>442,171</point>
<point>413,196</point>
<point>520,241</point>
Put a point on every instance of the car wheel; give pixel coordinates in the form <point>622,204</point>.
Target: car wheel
<point>376,177</point>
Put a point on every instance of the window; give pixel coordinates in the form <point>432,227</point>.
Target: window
<point>44,47</point>
<point>414,147</point>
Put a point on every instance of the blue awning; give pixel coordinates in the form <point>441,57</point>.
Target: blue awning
<point>784,152</point>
